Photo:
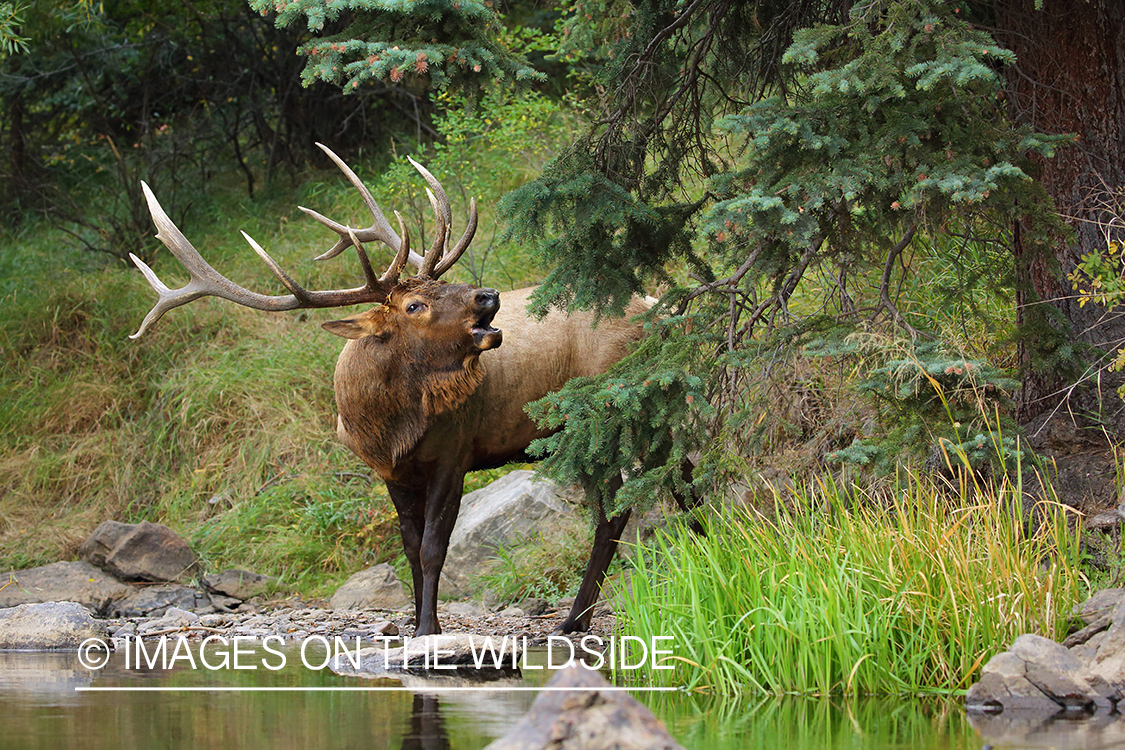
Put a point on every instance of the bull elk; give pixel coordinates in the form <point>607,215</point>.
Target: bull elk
<point>424,390</point>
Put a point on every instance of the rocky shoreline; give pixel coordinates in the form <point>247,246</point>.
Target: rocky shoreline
<point>294,620</point>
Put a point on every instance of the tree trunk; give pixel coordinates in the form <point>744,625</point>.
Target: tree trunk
<point>1069,78</point>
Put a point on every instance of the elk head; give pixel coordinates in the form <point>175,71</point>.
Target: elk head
<point>421,313</point>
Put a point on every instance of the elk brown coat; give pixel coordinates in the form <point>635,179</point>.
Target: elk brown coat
<point>422,433</point>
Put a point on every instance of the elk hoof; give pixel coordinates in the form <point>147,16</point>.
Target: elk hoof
<point>570,625</point>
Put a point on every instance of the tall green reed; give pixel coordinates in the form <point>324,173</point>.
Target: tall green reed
<point>909,589</point>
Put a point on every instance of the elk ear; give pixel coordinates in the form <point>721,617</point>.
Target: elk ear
<point>357,326</point>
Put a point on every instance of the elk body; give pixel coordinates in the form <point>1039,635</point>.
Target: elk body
<point>424,389</point>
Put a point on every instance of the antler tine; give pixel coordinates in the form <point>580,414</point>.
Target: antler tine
<point>393,271</point>
<point>380,228</point>
<point>442,257</point>
<point>462,244</point>
<point>206,281</point>
<point>441,239</point>
<point>286,280</point>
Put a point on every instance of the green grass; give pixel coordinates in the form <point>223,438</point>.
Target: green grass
<point>214,402</point>
<point>847,593</point>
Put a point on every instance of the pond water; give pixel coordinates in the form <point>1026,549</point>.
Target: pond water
<point>44,703</point>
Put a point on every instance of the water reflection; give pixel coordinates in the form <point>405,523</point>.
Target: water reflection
<point>52,675</point>
<point>40,708</point>
<point>1062,731</point>
<point>427,730</point>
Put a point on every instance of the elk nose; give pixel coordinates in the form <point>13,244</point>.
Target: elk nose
<point>487,300</point>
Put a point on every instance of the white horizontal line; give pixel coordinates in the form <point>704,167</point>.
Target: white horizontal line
<point>364,689</point>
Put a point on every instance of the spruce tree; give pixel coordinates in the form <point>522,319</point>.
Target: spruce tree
<point>739,156</point>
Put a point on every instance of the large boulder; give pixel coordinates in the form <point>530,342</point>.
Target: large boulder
<point>586,719</point>
<point>48,626</point>
<point>377,587</point>
<point>151,552</point>
<point>102,541</point>
<point>62,582</point>
<point>506,512</point>
<point>1040,676</point>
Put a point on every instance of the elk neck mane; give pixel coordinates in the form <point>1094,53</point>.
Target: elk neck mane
<point>387,402</point>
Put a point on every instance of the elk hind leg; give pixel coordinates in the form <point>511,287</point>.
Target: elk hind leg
<point>690,500</point>
<point>606,536</point>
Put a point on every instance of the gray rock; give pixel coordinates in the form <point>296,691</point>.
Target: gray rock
<point>384,628</point>
<point>586,719</point>
<point>375,588</point>
<point>224,603</point>
<point>48,626</point>
<point>214,620</point>
<point>1104,522</point>
<point>1101,603</point>
<point>125,630</point>
<point>533,606</point>
<point>1108,663</point>
<point>173,618</point>
<point>1055,671</point>
<point>154,601</point>
<point>239,584</point>
<point>103,539</point>
<point>464,609</point>
<point>506,512</point>
<point>512,612</point>
<point>151,552</point>
<point>62,582</point>
<point>1003,685</point>
<point>1039,675</point>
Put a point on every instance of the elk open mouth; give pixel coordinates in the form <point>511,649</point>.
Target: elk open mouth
<point>484,335</point>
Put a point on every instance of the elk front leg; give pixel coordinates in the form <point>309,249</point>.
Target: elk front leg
<point>443,501</point>
<point>410,505</point>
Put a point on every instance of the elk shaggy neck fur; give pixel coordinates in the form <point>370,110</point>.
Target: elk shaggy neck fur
<point>387,402</point>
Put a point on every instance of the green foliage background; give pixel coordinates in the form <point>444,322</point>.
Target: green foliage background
<point>785,177</point>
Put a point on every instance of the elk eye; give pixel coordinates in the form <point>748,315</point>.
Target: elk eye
<point>414,307</point>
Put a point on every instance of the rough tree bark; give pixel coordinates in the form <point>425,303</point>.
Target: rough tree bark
<point>1070,78</point>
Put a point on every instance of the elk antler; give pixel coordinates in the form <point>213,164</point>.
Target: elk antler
<point>206,281</point>
<point>437,260</point>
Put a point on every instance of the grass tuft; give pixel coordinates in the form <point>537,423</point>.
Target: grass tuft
<point>846,592</point>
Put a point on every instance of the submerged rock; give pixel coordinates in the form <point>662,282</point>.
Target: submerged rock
<point>48,626</point>
<point>471,657</point>
<point>586,719</point>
